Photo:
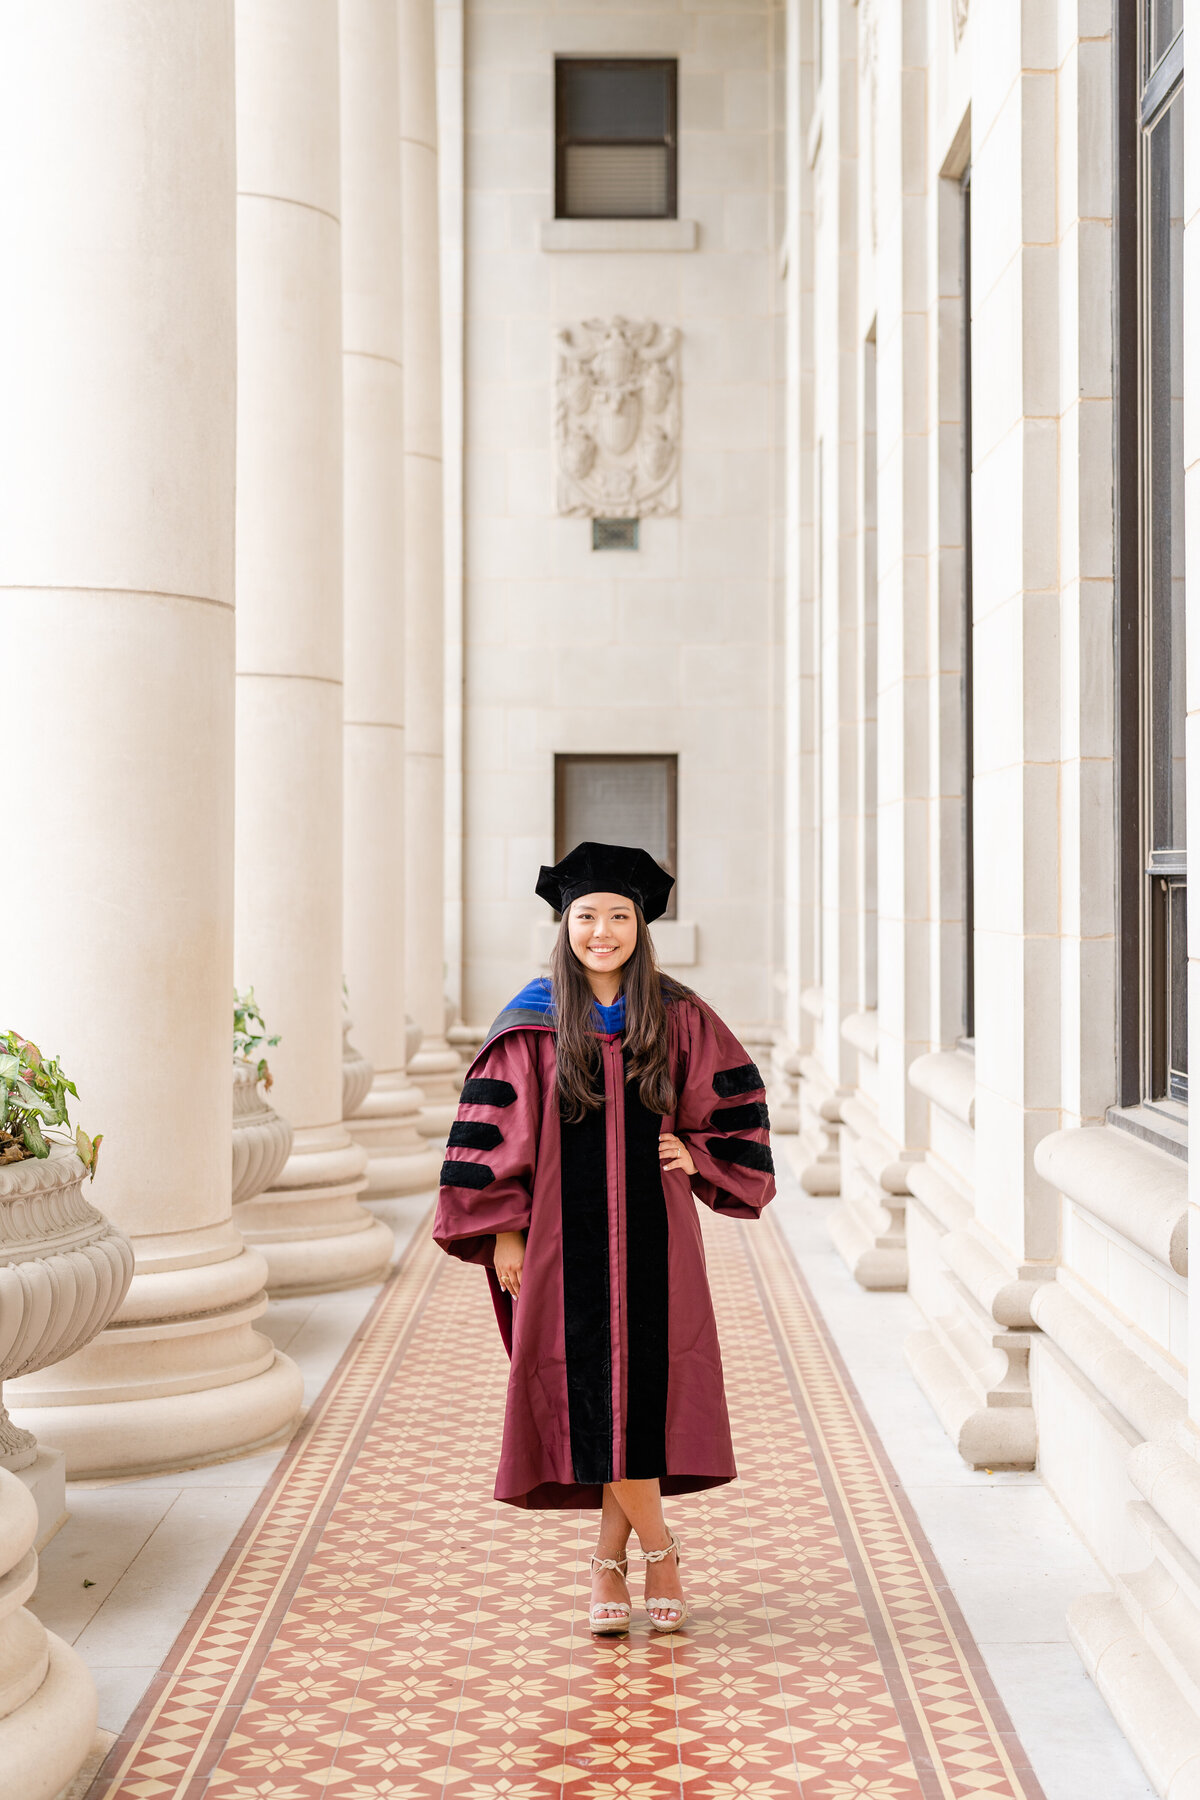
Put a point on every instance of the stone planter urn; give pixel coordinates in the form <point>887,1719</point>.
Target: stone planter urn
<point>357,1074</point>
<point>64,1271</point>
<point>262,1140</point>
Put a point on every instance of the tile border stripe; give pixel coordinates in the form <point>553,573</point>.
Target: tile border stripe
<point>778,1279</point>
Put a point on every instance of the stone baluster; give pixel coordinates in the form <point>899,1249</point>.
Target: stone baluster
<point>116,569</point>
<point>309,1224</point>
<point>383,1119</point>
<point>47,1700</point>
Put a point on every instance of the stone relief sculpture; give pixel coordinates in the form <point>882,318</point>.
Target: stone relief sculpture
<point>958,13</point>
<point>616,419</point>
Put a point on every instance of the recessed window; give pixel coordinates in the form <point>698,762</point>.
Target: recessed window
<point>1150,557</point>
<point>614,534</point>
<point>616,136</point>
<point>617,800</point>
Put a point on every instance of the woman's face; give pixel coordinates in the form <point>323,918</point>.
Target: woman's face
<point>602,929</point>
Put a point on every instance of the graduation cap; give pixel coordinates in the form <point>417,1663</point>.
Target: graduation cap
<point>607,869</point>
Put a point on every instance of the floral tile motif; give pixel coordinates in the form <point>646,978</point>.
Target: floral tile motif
<point>382,1630</point>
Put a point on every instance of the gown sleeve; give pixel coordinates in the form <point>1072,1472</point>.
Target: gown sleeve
<point>721,1116</point>
<point>487,1177</point>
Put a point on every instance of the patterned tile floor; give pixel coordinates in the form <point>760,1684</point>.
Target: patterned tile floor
<point>381,1630</point>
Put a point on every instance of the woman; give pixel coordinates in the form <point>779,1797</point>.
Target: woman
<point>602,1100</point>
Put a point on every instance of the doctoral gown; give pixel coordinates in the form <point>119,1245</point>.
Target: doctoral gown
<point>616,1368</point>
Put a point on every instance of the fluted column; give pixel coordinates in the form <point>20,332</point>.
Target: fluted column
<point>116,588</point>
<point>309,1225</point>
<point>384,1123</point>
<point>436,1066</point>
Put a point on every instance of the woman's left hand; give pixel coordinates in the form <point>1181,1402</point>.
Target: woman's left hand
<point>673,1153</point>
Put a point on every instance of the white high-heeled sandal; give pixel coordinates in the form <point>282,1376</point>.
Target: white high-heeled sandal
<point>673,1606</point>
<point>616,1613</point>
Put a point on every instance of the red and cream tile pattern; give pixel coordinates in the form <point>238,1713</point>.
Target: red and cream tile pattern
<point>383,1631</point>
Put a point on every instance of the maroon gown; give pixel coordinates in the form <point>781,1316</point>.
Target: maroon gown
<point>616,1369</point>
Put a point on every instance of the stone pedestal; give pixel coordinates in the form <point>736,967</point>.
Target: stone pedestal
<point>47,1700</point>
<point>45,1479</point>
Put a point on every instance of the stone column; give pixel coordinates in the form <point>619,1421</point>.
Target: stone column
<point>309,1225</point>
<point>436,1066</point>
<point>827,741</point>
<point>384,1124</point>
<point>885,1123</point>
<point>116,552</point>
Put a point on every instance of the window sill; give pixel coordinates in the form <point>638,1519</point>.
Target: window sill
<point>1164,1126</point>
<point>674,939</point>
<point>618,234</point>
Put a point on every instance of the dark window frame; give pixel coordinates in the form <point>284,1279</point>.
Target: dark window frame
<point>1151,883</point>
<point>563,759</point>
<point>563,141</point>
<point>968,631</point>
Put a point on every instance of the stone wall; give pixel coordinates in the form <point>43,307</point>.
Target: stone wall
<point>671,648</point>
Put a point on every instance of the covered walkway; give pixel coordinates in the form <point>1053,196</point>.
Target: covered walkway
<point>380,1630</point>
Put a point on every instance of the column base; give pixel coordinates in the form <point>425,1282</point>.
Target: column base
<point>310,1227</point>
<point>438,1071</point>
<point>109,1439</point>
<point>868,1227</point>
<point>817,1161</point>
<point>986,1437</point>
<point>971,1361</point>
<point>386,1127</point>
<point>180,1376</point>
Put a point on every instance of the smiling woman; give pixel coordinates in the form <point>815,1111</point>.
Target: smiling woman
<point>603,1100</point>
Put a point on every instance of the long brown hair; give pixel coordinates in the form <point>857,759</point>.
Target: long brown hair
<point>646,990</point>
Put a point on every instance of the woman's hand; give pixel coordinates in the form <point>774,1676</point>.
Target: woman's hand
<point>509,1260</point>
<point>673,1153</point>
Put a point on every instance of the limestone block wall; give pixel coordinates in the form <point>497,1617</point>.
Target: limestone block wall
<point>671,648</point>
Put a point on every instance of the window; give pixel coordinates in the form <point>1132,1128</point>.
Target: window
<point>617,800</point>
<point>616,138</point>
<point>968,636</point>
<point>1149,557</point>
<point>868,773</point>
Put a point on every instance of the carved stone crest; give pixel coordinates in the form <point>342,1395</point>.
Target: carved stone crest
<point>616,419</point>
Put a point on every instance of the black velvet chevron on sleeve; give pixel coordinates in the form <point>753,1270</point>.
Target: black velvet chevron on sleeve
<point>482,1091</point>
<point>465,1174</point>
<point>729,1082</point>
<point>474,1134</point>
<point>740,1150</point>
<point>750,1117</point>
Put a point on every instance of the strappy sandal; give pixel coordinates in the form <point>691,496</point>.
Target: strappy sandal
<point>672,1605</point>
<point>608,1618</point>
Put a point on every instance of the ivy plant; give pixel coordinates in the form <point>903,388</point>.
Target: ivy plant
<point>34,1105</point>
<point>250,1034</point>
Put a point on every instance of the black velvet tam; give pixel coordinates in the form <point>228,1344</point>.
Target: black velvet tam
<point>607,869</point>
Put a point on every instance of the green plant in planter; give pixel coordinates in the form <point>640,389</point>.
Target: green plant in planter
<point>250,1034</point>
<point>33,1101</point>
